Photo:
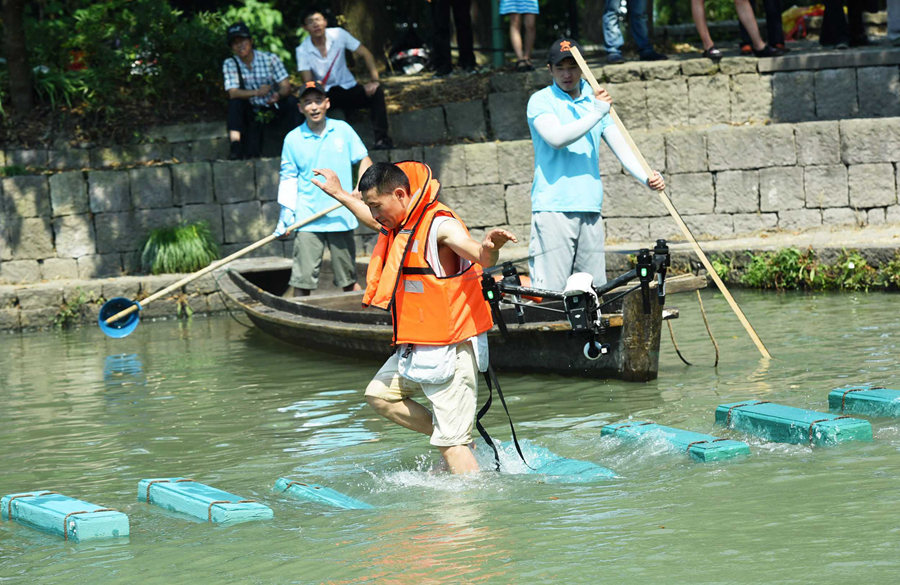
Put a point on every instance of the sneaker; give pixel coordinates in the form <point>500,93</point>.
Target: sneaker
<point>781,47</point>
<point>768,51</point>
<point>653,56</point>
<point>615,58</point>
<point>383,144</point>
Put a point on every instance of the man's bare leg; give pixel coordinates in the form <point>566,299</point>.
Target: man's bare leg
<point>406,413</point>
<point>460,459</point>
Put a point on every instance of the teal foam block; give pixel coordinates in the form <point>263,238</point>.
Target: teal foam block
<point>866,400</point>
<point>699,446</point>
<point>187,496</point>
<point>786,424</point>
<point>557,468</point>
<point>72,519</point>
<point>319,494</point>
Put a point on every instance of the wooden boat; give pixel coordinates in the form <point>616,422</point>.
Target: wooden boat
<point>336,322</point>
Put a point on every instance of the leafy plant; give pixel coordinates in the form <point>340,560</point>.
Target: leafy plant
<point>13,171</point>
<point>889,273</point>
<point>851,272</point>
<point>265,22</point>
<point>184,248</point>
<point>786,269</point>
<point>71,311</point>
<point>722,265</point>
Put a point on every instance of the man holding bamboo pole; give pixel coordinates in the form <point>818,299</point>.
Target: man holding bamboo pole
<point>567,121</point>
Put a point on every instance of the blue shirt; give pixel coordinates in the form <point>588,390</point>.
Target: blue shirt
<point>338,149</point>
<point>566,179</point>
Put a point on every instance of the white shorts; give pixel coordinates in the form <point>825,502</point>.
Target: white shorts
<point>453,403</point>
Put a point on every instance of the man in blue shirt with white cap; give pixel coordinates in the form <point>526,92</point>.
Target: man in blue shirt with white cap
<point>319,142</point>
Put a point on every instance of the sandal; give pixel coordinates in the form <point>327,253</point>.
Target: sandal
<point>524,65</point>
<point>713,54</point>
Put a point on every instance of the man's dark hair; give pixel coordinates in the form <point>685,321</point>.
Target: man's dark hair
<point>312,10</point>
<point>384,178</point>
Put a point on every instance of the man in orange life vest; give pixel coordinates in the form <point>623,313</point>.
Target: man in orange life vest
<point>424,270</point>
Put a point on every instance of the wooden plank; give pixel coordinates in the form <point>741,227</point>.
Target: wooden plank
<point>699,446</point>
<point>866,400</point>
<point>786,424</point>
<point>179,494</point>
<point>64,516</point>
<point>320,494</point>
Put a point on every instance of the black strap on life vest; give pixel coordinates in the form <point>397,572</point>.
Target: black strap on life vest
<point>491,379</point>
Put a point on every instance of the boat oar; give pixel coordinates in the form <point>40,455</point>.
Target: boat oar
<point>119,316</point>
<point>674,212</point>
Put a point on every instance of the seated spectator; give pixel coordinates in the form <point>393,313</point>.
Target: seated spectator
<point>519,11</point>
<point>637,20</point>
<point>259,94</point>
<point>320,57</point>
<point>774,28</point>
<point>747,18</point>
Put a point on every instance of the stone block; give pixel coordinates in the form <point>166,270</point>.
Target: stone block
<point>68,193</point>
<point>842,216</point>
<point>215,303</point>
<point>516,161</point>
<point>710,225</point>
<point>628,229</point>
<point>9,319</point>
<point>68,158</point>
<point>481,163</point>
<point>518,203</point>
<point>826,186</point>
<point>25,196</point>
<point>99,266</point>
<point>116,232</point>
<point>892,214</point>
<point>625,197</point>
<point>32,240</point>
<point>234,181</point>
<point>38,318</point>
<point>630,102</point>
<point>204,285</point>
<point>186,132</point>
<point>85,290</point>
<point>192,183</point>
<point>737,192</point>
<point>59,269</point>
<point>686,151</point>
<point>621,73</point>
<point>748,223</point>
<point>692,193</point>
<point>40,296</point>
<point>506,82</point>
<point>872,185</point>
<point>709,99</point>
<point>870,141</point>
<point>879,91</point>
<point>477,206</point>
<point>695,67</point>
<point>876,216</point>
<point>164,308</point>
<point>207,150</point>
<point>211,214</point>
<point>9,297</point>
<point>652,146</point>
<point>657,70</point>
<point>668,104</point>
<point>244,222</point>
<point>799,219</point>
<point>448,163</point>
<point>74,236</point>
<point>818,143</point>
<point>19,271</point>
<point>146,220</point>
<point>109,191</point>
<point>181,152</point>
<point>750,147</point>
<point>465,120</point>
<point>27,157</point>
<point>751,98</point>
<point>738,65</point>
<point>836,94</point>
<point>128,287</point>
<point>151,187</point>
<point>793,96</point>
<point>425,126</point>
<point>507,115</point>
<point>780,188</point>
<point>267,178</point>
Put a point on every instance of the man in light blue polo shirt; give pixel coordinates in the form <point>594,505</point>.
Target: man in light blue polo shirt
<point>567,122</point>
<point>319,142</point>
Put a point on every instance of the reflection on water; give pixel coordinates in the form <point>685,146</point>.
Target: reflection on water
<point>88,416</point>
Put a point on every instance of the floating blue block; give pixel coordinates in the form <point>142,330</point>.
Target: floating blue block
<point>699,446</point>
<point>201,501</point>
<point>319,494</point>
<point>786,424</point>
<point>557,468</point>
<point>866,400</point>
<point>72,519</point>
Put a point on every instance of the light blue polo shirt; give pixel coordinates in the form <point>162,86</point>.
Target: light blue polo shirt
<point>566,179</point>
<point>338,149</point>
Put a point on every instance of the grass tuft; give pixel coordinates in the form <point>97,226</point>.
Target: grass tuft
<point>184,248</point>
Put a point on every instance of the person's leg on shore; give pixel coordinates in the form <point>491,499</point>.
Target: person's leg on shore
<point>612,34</point>
<point>515,36</point>
<point>465,40</point>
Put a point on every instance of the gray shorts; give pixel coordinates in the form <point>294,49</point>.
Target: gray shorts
<point>563,243</point>
<point>308,250</point>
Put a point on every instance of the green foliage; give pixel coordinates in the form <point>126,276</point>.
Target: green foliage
<point>851,272</point>
<point>184,248</point>
<point>265,23</point>
<point>72,311</point>
<point>722,265</point>
<point>13,171</point>
<point>889,274</point>
<point>59,86</point>
<point>786,269</point>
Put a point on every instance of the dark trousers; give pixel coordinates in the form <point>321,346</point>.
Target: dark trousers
<point>774,32</point>
<point>839,29</point>
<point>356,98</point>
<point>440,13</point>
<point>253,122</point>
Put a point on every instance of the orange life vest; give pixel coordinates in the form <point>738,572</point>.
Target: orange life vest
<point>426,309</point>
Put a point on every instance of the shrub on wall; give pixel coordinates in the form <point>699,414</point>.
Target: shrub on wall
<point>184,248</point>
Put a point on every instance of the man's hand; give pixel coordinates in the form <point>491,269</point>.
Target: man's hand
<point>331,185</point>
<point>263,90</point>
<point>656,182</point>
<point>491,244</point>
<point>371,88</point>
<point>603,95</point>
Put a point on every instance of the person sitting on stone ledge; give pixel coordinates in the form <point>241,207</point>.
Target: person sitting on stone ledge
<point>320,57</point>
<point>259,94</point>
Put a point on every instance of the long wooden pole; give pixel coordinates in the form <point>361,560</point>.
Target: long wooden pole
<point>674,212</point>
<point>218,264</point>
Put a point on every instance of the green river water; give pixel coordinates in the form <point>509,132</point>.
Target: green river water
<point>231,407</point>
